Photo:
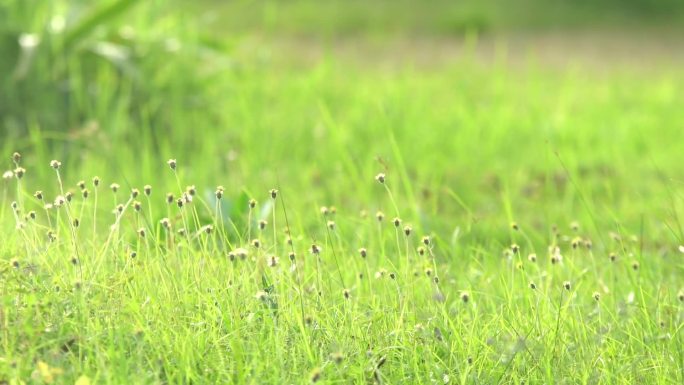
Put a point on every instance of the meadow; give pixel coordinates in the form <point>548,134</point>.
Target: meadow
<point>261,199</point>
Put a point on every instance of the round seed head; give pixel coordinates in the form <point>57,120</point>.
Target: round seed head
<point>379,216</point>
<point>81,184</point>
<point>363,252</point>
<point>635,265</point>
<point>533,286</point>
<point>137,206</point>
<point>333,210</point>
<point>396,221</point>
<point>274,193</point>
<point>15,263</point>
<point>315,249</point>
<point>346,293</point>
<point>181,232</point>
<point>208,229</point>
<point>68,196</point>
<point>315,376</point>
<point>172,164</point>
<point>119,208</point>
<point>32,214</point>
<point>252,203</point>
<point>262,224</point>
<point>180,202</point>
<point>76,222</point>
<point>421,250</point>
<point>191,190</point>
<point>114,187</point>
<point>19,172</point>
<point>567,285</point>
<point>680,296</point>
<point>255,243</point>
<point>426,240</point>
<point>141,232</point>
<point>16,157</point>
<point>597,296</point>
<point>96,181</point>
<point>55,164</point>
<point>612,257</point>
<point>380,178</point>
<point>219,193</point>
<point>324,210</point>
<point>532,257</point>
<point>331,225</point>
<point>337,357</point>
<point>292,256</point>
<point>465,297</point>
<point>407,230</point>
<point>515,248</point>
<point>574,226</point>
<point>38,195</point>
<point>147,189</point>
<point>85,193</point>
<point>428,272</point>
<point>74,261</point>
<point>169,198</point>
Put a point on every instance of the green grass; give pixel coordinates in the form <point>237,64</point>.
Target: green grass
<point>580,159</point>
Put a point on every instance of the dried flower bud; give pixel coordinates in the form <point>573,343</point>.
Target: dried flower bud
<point>19,172</point>
<point>172,164</point>
<point>16,157</point>
<point>147,189</point>
<point>38,195</point>
<point>567,285</point>
<point>363,252</point>
<point>379,216</point>
<point>274,193</point>
<point>96,181</point>
<point>81,184</point>
<point>169,198</point>
<point>315,249</point>
<point>85,193</point>
<point>114,187</point>
<point>396,221</point>
<point>55,164</point>
<point>407,230</point>
<point>380,178</point>
<point>141,232</point>
<point>465,297</point>
<point>137,206</point>
<point>252,203</point>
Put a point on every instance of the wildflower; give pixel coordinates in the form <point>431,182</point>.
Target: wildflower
<point>421,250</point>
<point>333,210</point>
<point>141,232</point>
<point>515,248</point>
<point>346,293</point>
<point>241,253</point>
<point>68,196</point>
<point>85,193</point>
<point>588,244</point>
<point>532,257</point>
<point>81,184</point>
<point>59,201</point>
<point>8,174</point>
<point>262,224</point>
<point>165,222</point>
<point>169,198</point>
<point>514,226</point>
<point>635,265</point>
<point>15,263</point>
<point>566,285</point>
<point>407,230</point>
<point>337,357</point>
<point>76,222</point>
<point>680,295</point>
<point>396,221</point>
<point>16,157</point>
<point>119,208</point>
<point>428,271</point>
<point>612,257</point>
<point>32,214</point>
<point>55,164</point>
<point>74,260</point>
<point>426,240</point>
<point>315,375</point>
<point>393,275</point>
<point>191,190</point>
<point>273,261</point>
<point>255,243</point>
<point>219,192</point>
<point>38,195</point>
<point>325,211</point>
<point>331,225</point>
<point>133,254</point>
<point>576,242</point>
<point>19,172</point>
<point>180,202</point>
<point>274,193</point>
<point>172,164</point>
<point>261,295</point>
<point>362,252</point>
<point>597,296</point>
<point>315,249</point>
<point>114,187</point>
<point>96,181</point>
<point>147,189</point>
<point>291,255</point>
<point>574,225</point>
<point>137,206</point>
<point>379,216</point>
<point>465,297</point>
<point>380,178</point>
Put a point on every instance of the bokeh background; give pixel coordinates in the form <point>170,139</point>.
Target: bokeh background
<point>477,109</point>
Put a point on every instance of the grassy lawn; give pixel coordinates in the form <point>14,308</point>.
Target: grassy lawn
<point>470,220</point>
